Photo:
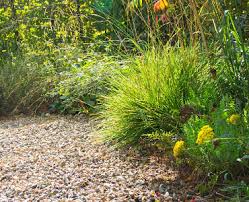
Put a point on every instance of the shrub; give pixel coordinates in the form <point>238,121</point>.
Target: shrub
<point>150,98</point>
<point>78,88</point>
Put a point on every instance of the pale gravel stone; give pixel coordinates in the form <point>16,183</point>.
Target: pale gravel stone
<point>56,158</point>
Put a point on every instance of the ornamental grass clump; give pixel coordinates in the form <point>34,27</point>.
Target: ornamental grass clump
<point>150,96</point>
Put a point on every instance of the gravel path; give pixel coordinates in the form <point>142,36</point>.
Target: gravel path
<point>58,159</point>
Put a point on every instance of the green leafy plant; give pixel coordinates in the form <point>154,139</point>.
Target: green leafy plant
<point>79,87</point>
<point>224,140</point>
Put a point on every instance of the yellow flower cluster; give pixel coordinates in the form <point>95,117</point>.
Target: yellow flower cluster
<point>164,4</point>
<point>161,5</point>
<point>233,119</point>
<point>178,148</point>
<point>206,133</point>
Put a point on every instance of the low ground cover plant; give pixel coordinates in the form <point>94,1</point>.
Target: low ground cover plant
<point>216,145</point>
<point>218,142</point>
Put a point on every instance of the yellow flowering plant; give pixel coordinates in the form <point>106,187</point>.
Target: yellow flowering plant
<point>178,148</point>
<point>212,142</point>
<point>206,134</point>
